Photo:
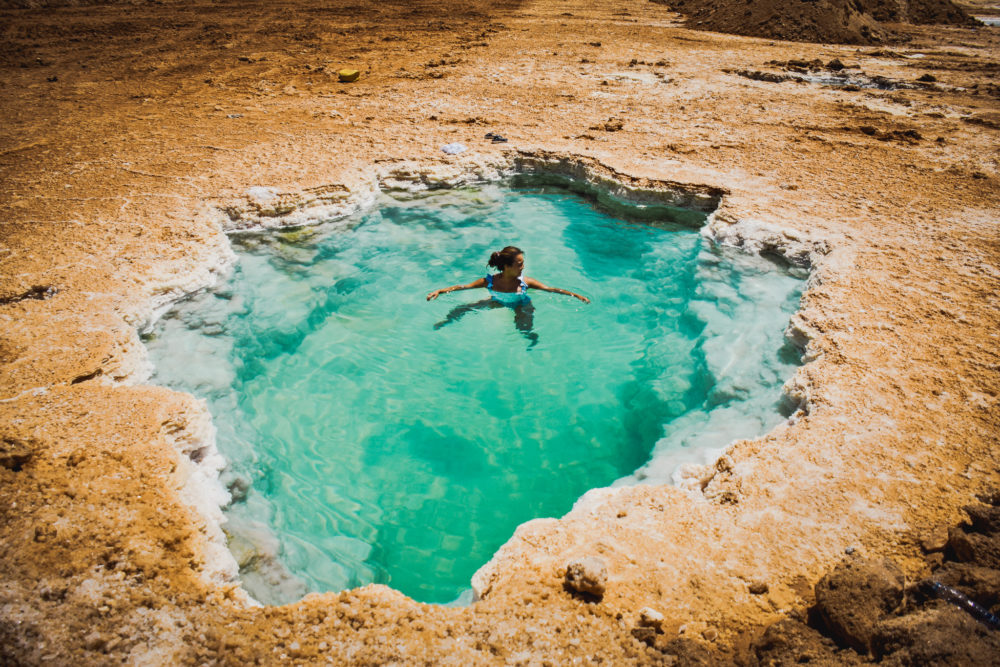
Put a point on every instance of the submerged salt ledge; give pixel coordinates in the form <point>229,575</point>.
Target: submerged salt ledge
<point>203,489</point>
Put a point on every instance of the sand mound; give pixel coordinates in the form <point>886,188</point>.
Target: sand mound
<point>827,21</point>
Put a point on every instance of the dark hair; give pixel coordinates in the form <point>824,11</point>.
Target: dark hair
<point>504,258</point>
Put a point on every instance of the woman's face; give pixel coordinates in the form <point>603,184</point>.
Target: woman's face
<point>518,266</point>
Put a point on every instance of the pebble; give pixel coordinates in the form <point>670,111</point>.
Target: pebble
<point>587,575</point>
<point>935,540</point>
<point>650,618</point>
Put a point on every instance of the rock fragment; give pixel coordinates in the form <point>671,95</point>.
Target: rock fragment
<point>588,575</point>
<point>934,541</point>
<point>650,618</point>
<point>856,597</point>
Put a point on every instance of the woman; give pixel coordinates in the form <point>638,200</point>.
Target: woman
<point>507,288</point>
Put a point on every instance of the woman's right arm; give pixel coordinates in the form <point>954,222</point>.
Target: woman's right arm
<point>454,288</point>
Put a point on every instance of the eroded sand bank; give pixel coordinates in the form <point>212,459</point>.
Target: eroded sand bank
<point>133,135</point>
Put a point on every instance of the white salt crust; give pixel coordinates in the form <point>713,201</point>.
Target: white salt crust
<point>266,208</point>
<point>192,436</point>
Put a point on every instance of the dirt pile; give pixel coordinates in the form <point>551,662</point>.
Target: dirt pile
<point>920,12</point>
<point>865,611</point>
<point>825,21</point>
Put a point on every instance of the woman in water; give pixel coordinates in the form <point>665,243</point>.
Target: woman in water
<point>507,288</point>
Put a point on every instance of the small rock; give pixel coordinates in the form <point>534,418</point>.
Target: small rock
<point>835,65</point>
<point>710,634</point>
<point>757,587</point>
<point>587,575</point>
<point>650,618</point>
<point>935,541</point>
<point>927,78</point>
<point>453,149</point>
<point>348,75</point>
<point>960,545</point>
<point>854,598</point>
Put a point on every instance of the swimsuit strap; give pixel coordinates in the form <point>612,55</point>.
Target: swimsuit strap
<point>524,285</point>
<point>489,281</point>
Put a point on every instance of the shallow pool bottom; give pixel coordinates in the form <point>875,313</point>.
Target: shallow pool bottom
<point>373,438</point>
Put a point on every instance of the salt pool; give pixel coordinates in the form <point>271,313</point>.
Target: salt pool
<point>368,445</point>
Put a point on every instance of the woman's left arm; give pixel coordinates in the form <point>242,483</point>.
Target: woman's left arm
<point>534,284</point>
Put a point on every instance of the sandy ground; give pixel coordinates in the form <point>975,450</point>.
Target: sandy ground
<point>129,130</point>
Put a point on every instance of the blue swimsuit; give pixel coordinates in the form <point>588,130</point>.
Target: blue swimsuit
<point>509,298</point>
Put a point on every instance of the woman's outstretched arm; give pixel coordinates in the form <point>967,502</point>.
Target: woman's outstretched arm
<point>454,288</point>
<point>534,284</point>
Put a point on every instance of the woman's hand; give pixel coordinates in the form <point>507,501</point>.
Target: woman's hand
<point>433,295</point>
<point>582,298</point>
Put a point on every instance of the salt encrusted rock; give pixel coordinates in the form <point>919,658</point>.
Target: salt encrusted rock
<point>587,575</point>
<point>650,618</point>
<point>856,597</point>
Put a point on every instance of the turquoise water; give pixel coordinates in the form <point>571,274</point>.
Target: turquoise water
<point>368,445</point>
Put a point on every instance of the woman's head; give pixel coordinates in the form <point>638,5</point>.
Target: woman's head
<point>508,257</point>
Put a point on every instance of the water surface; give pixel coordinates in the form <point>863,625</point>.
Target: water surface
<point>368,445</point>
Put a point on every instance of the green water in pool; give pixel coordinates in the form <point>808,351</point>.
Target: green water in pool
<point>366,444</point>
